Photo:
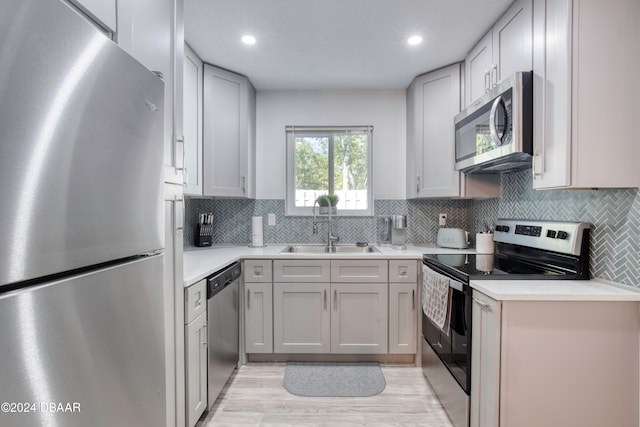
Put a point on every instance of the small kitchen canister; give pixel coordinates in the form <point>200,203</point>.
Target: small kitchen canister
<point>484,243</point>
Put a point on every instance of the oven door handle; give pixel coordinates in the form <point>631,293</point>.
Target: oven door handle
<point>454,284</point>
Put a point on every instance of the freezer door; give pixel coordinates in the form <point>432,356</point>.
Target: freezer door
<point>86,351</point>
<point>81,145</point>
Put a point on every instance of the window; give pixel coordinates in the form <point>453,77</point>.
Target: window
<point>329,160</point>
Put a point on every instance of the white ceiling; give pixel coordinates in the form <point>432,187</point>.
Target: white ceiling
<point>336,44</point>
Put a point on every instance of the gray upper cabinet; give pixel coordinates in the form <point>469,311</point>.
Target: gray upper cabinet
<point>192,113</point>
<point>229,134</point>
<point>585,131</point>
<point>433,99</point>
<point>152,31</point>
<point>505,49</point>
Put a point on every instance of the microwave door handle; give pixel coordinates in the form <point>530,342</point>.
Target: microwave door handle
<point>492,121</point>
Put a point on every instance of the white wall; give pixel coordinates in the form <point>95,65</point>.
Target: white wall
<point>385,110</point>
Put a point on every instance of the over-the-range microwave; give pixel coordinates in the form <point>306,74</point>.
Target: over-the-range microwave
<point>495,133</point>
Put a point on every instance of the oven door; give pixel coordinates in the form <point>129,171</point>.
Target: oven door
<point>453,348</point>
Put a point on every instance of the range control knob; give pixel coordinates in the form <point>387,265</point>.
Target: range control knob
<point>551,234</point>
<point>502,228</point>
<point>562,235</point>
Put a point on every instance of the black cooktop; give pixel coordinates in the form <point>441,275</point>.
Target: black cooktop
<point>493,267</point>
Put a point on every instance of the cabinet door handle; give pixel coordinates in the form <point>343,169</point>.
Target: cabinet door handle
<point>413,299</point>
<point>482,304</point>
<point>417,183</point>
<point>325,298</point>
<point>537,158</point>
<point>244,184</point>
<point>204,327</point>
<point>248,299</point>
<point>487,81</point>
<point>335,300</point>
<point>494,75</point>
<point>179,163</point>
<point>178,213</point>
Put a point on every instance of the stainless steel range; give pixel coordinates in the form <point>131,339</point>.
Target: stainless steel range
<point>525,250</point>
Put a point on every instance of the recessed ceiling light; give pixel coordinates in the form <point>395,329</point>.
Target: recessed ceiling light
<point>414,40</point>
<point>248,40</point>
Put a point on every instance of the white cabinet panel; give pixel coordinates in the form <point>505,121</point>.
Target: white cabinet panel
<point>477,68</point>
<point>403,318</point>
<point>485,361</point>
<point>585,135</point>
<point>196,368</point>
<point>192,122</point>
<point>576,359</point>
<point>403,271</point>
<point>433,100</point>
<point>298,271</point>
<point>195,300</point>
<point>359,271</point>
<point>152,31</point>
<point>359,318</point>
<point>258,270</point>
<point>301,318</point>
<point>505,49</point>
<point>229,134</point>
<point>174,306</point>
<point>513,41</point>
<point>258,315</point>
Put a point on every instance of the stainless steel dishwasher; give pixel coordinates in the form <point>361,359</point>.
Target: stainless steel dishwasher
<point>222,322</point>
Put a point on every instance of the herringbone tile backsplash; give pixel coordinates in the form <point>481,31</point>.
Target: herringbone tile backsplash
<point>614,215</point>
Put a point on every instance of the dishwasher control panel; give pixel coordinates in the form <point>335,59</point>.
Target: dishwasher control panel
<point>217,281</point>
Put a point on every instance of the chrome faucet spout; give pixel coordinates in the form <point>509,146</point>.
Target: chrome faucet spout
<point>331,238</point>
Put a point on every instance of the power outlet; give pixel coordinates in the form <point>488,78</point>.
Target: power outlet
<point>271,219</point>
<point>442,219</point>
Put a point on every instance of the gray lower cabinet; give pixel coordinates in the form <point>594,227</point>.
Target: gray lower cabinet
<point>330,306</point>
<point>403,320</point>
<point>359,318</point>
<point>258,317</point>
<point>195,332</point>
<point>554,363</point>
<point>403,306</point>
<point>485,363</point>
<point>301,318</point>
<point>258,306</point>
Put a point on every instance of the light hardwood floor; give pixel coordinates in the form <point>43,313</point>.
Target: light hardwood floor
<point>255,396</point>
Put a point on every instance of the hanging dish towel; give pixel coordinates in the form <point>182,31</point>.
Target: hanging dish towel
<point>436,298</point>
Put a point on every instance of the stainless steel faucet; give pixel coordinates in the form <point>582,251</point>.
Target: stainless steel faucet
<point>331,238</point>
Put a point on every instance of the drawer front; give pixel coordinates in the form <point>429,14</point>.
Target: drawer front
<point>403,271</point>
<point>258,271</point>
<point>301,270</point>
<point>359,271</point>
<point>195,301</point>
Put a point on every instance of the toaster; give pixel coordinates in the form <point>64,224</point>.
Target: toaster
<point>452,238</point>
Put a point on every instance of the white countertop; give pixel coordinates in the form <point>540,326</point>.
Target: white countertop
<point>201,262</point>
<point>556,290</point>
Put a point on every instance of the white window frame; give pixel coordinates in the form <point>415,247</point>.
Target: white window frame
<point>291,131</point>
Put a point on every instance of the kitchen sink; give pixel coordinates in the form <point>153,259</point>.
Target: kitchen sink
<point>322,249</point>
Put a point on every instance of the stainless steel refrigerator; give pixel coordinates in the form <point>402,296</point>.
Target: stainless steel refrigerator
<point>81,225</point>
